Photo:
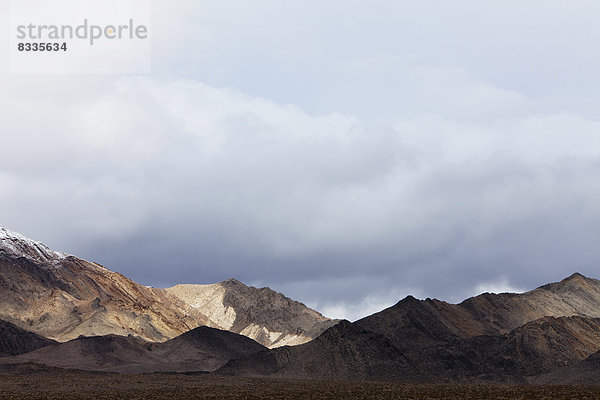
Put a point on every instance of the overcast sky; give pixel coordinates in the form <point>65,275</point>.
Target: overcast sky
<point>346,153</point>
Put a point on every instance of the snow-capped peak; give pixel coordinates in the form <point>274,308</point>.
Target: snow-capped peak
<point>21,246</point>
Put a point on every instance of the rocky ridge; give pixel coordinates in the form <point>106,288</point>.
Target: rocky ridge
<point>508,338</point>
<point>268,317</point>
<point>200,350</point>
<point>62,297</point>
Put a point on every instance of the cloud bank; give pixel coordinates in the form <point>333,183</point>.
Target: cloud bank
<point>393,170</point>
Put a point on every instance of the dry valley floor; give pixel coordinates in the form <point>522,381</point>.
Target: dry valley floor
<point>35,382</point>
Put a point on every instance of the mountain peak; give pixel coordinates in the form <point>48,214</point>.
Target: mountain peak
<point>576,281</point>
<point>232,282</point>
<point>18,245</point>
<point>576,276</point>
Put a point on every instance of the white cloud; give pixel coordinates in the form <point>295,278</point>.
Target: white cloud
<point>358,308</point>
<point>500,286</point>
<point>273,182</point>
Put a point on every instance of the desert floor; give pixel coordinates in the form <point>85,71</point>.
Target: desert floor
<point>34,383</point>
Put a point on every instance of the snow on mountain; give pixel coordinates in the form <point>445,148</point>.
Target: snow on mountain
<point>21,246</point>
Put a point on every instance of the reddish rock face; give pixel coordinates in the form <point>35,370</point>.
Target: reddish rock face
<point>73,297</point>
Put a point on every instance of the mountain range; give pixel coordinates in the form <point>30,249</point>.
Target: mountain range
<point>509,338</point>
<point>64,312</point>
<point>62,297</point>
<point>202,349</point>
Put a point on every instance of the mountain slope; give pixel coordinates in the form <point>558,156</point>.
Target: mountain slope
<point>586,372</point>
<point>203,349</point>
<point>477,340</point>
<point>17,244</point>
<point>264,315</point>
<point>96,353</point>
<point>62,297</point>
<point>200,350</point>
<point>344,351</point>
<point>533,349</point>
<point>412,320</point>
<point>15,341</point>
<point>73,297</point>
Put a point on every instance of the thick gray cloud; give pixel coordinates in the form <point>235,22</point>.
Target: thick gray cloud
<point>347,154</point>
